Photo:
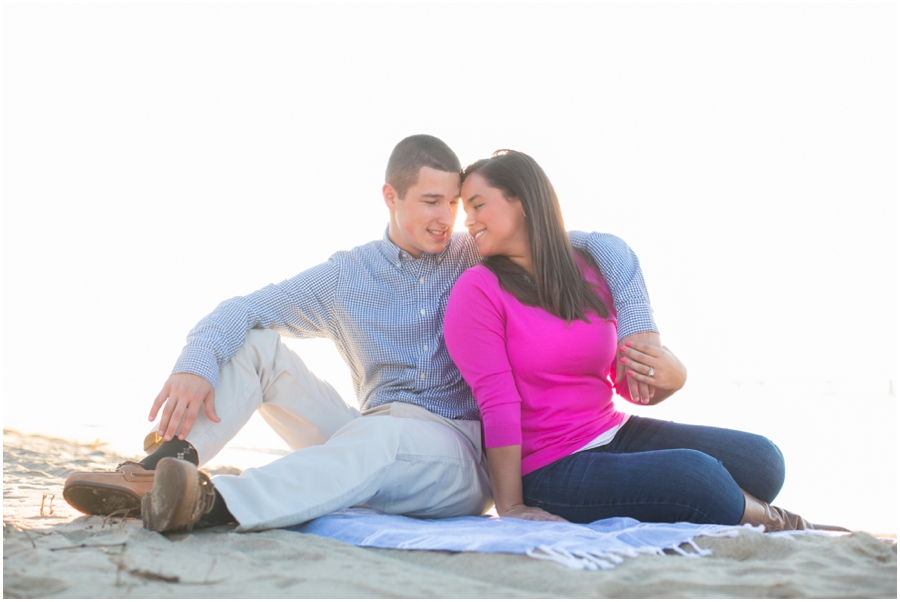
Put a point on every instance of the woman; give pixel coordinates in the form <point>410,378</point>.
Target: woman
<point>533,332</point>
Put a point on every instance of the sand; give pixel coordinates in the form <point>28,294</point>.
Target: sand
<point>55,552</point>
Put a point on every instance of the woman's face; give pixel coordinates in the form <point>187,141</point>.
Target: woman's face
<point>496,224</point>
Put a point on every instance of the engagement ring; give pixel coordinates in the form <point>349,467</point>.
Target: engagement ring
<point>651,371</point>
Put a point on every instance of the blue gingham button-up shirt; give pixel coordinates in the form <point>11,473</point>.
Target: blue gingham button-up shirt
<point>384,311</point>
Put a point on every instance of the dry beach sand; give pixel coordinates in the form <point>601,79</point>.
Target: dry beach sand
<point>50,550</point>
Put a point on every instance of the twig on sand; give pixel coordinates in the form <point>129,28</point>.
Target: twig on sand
<point>89,545</point>
<point>153,576</point>
<point>120,564</point>
<point>49,505</point>
<point>23,532</point>
<point>121,514</point>
<point>209,572</point>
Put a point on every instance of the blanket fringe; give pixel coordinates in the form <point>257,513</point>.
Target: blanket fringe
<point>591,561</point>
<point>585,561</point>
<point>698,551</point>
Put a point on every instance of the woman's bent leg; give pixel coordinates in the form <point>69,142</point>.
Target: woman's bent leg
<point>756,463</point>
<point>655,486</point>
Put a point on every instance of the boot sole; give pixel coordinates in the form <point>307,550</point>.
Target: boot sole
<point>107,500</point>
<point>171,502</point>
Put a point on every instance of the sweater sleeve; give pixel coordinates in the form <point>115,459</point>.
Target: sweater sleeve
<point>475,333</point>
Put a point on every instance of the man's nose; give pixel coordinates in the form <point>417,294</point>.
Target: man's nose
<point>447,215</point>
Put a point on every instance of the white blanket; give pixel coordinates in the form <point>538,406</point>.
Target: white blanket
<point>599,545</point>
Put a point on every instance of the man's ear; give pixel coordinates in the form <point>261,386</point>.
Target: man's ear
<point>390,195</point>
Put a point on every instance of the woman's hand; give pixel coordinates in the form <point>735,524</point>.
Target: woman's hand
<point>505,468</point>
<point>654,366</point>
<point>530,513</point>
<point>639,392</point>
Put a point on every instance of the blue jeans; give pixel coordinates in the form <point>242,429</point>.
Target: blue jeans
<point>661,472</point>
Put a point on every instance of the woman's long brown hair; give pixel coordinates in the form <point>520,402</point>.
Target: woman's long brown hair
<point>560,286</point>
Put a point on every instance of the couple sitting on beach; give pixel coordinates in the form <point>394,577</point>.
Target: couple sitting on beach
<point>541,327</point>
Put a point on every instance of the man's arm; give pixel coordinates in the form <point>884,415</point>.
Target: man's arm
<point>622,271</point>
<point>298,307</point>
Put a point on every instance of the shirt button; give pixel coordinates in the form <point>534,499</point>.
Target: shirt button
<point>425,348</point>
<point>422,311</point>
<point>421,281</point>
<point>422,377</point>
<point>440,259</point>
<point>398,265</point>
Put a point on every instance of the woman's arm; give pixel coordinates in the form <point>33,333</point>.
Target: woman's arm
<point>668,373</point>
<point>505,468</point>
<point>475,334</point>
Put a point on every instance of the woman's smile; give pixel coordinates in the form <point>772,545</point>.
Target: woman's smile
<point>497,223</point>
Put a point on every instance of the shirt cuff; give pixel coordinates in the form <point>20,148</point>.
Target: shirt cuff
<point>634,319</point>
<point>201,362</point>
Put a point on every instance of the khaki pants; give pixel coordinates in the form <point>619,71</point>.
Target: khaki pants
<point>397,458</point>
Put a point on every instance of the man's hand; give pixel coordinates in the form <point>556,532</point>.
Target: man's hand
<point>530,513</point>
<point>185,393</point>
<point>641,392</point>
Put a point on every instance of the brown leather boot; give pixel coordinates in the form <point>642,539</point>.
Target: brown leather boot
<point>116,492</point>
<point>180,497</point>
<point>773,518</point>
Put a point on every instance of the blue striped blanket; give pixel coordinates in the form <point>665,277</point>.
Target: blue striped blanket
<point>599,545</point>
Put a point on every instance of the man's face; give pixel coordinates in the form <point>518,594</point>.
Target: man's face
<point>423,220</point>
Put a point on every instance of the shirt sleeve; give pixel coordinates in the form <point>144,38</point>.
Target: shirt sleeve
<point>474,330</point>
<point>622,271</point>
<point>298,307</point>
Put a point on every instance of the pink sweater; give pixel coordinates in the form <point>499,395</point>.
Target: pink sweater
<point>538,383</point>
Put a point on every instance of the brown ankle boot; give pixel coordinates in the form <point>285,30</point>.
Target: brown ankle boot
<point>110,493</point>
<point>181,495</point>
<point>773,518</point>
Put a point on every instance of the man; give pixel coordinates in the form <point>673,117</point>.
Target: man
<point>415,446</point>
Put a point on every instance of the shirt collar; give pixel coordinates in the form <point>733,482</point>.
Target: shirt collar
<point>395,253</point>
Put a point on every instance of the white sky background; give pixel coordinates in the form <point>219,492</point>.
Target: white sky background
<point>158,159</point>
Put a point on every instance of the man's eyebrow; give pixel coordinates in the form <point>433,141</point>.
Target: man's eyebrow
<point>432,195</point>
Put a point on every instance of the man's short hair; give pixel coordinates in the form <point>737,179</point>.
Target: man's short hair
<point>413,153</point>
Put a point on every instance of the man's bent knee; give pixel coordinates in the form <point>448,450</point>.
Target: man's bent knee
<point>261,338</point>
